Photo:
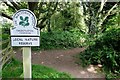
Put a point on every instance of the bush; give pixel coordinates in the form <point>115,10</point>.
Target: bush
<point>5,35</point>
<point>6,28</point>
<point>5,40</point>
<point>105,51</point>
<point>61,40</point>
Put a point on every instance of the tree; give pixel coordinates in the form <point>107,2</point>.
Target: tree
<point>97,13</point>
<point>42,10</point>
<point>90,17</point>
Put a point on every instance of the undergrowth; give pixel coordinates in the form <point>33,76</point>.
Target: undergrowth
<point>62,40</point>
<point>105,51</point>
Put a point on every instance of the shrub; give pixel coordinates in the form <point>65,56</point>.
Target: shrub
<point>5,40</point>
<point>105,51</point>
<point>61,40</point>
<point>5,35</point>
<point>6,28</point>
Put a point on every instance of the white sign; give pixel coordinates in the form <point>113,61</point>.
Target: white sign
<point>24,24</point>
<point>25,32</point>
<point>25,41</point>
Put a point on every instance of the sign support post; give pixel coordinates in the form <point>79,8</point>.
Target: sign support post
<point>27,62</point>
<point>25,34</point>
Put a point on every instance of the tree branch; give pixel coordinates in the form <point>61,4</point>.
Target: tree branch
<point>32,5</point>
<point>55,6</point>
<point>15,5</point>
<point>107,14</point>
<point>9,5</point>
<point>40,25</point>
<point>102,5</point>
<point>44,19</point>
<point>6,16</point>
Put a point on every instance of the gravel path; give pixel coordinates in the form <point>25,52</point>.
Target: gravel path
<point>64,61</point>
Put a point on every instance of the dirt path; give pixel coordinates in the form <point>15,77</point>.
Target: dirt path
<point>64,61</point>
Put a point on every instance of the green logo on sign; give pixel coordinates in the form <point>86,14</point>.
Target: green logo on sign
<point>24,21</point>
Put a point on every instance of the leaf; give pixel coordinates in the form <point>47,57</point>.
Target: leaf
<point>21,23</point>
<point>26,19</point>
<point>26,24</point>
<point>21,18</point>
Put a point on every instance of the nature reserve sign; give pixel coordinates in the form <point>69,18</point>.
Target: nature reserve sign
<point>24,32</point>
<point>25,41</point>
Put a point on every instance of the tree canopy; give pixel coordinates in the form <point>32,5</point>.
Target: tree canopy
<point>89,17</point>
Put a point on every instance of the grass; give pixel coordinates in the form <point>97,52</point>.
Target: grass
<point>14,70</point>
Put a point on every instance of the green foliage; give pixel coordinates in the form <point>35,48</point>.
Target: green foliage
<point>68,18</point>
<point>57,21</point>
<point>113,22</point>
<point>5,40</point>
<point>5,36</point>
<point>105,51</point>
<point>12,70</point>
<point>15,70</point>
<point>6,28</point>
<point>62,39</point>
<point>44,72</point>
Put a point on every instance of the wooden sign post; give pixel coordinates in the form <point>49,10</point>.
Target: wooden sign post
<point>27,62</point>
<point>25,34</point>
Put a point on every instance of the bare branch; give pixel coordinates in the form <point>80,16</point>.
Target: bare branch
<point>15,5</point>
<point>6,16</point>
<point>107,14</point>
<point>9,5</point>
<point>102,5</point>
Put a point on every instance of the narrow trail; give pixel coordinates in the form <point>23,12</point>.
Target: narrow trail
<point>64,61</point>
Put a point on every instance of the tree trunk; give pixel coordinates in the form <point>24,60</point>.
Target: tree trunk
<point>49,29</point>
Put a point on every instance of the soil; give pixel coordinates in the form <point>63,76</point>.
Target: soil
<point>64,61</point>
